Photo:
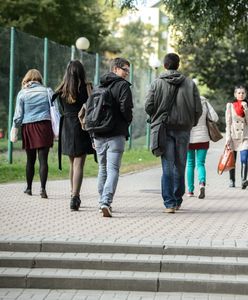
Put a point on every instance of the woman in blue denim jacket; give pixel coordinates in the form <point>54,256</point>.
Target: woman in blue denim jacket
<point>32,114</point>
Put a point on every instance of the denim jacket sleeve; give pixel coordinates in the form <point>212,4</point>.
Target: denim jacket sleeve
<point>19,111</point>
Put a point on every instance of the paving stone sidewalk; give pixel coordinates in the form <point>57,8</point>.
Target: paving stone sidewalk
<point>34,294</point>
<point>138,217</point>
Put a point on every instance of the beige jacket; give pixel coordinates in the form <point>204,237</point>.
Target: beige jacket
<point>236,128</point>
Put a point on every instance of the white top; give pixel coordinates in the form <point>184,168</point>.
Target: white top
<point>199,133</point>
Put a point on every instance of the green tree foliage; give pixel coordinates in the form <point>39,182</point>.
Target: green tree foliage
<point>209,18</point>
<point>216,63</point>
<point>61,21</point>
<point>137,43</point>
<point>219,65</point>
<point>3,116</point>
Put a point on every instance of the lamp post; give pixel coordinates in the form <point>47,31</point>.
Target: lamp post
<point>82,44</point>
<point>154,63</point>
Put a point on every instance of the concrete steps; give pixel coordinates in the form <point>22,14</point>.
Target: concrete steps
<point>122,280</point>
<point>126,262</point>
<point>123,267</point>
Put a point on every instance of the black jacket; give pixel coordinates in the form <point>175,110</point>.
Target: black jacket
<point>122,94</point>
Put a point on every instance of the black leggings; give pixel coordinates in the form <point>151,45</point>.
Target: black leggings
<point>232,172</point>
<point>43,168</point>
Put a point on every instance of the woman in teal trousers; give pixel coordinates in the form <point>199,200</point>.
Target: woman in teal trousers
<point>198,147</point>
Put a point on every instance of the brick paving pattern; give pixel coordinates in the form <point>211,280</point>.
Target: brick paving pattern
<point>138,218</point>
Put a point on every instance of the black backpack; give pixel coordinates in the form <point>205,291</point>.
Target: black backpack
<point>100,110</point>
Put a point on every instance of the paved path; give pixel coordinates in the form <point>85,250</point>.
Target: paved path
<point>138,217</point>
<point>221,219</point>
<point>28,294</point>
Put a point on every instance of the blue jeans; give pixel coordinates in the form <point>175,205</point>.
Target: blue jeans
<point>200,156</point>
<point>109,153</point>
<point>173,167</point>
<point>244,156</point>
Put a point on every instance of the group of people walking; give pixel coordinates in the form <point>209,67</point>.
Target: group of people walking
<point>187,137</point>
<point>32,114</point>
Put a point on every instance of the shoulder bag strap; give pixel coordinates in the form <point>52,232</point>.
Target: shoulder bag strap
<point>170,103</point>
<point>208,113</point>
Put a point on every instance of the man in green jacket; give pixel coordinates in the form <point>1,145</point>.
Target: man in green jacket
<point>184,114</point>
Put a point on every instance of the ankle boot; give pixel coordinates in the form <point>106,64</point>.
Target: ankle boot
<point>232,178</point>
<point>75,203</point>
<point>28,191</point>
<point>43,193</point>
<point>244,176</point>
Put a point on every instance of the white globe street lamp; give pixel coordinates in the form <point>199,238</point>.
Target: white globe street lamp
<point>154,62</point>
<point>82,43</point>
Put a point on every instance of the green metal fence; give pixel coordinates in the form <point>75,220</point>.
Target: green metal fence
<point>20,52</point>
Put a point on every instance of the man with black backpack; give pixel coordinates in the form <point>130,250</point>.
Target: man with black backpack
<point>174,101</point>
<point>108,116</point>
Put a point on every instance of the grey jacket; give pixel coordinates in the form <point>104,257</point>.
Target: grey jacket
<point>187,108</point>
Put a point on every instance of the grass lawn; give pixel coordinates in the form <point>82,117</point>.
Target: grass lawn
<point>133,160</point>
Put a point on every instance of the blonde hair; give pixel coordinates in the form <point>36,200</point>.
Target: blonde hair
<point>32,75</point>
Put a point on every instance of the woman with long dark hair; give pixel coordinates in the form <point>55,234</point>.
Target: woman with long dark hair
<point>75,142</point>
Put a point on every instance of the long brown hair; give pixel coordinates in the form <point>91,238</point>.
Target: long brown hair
<point>72,82</point>
<point>32,75</point>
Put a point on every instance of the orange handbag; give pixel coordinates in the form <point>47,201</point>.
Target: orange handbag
<point>226,162</point>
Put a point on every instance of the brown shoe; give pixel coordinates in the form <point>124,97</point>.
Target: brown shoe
<point>170,210</point>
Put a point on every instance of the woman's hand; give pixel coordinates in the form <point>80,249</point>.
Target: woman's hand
<point>244,104</point>
<point>229,145</point>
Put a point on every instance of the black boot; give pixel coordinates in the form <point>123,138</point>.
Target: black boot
<point>232,178</point>
<point>244,176</point>
<point>75,203</point>
<point>43,193</point>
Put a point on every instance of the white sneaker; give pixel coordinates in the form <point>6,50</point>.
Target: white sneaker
<point>110,208</point>
<point>170,210</point>
<point>190,194</point>
<point>106,211</point>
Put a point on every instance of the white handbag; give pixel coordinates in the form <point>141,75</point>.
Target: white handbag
<point>14,134</point>
<point>55,115</point>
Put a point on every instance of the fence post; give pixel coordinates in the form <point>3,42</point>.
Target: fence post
<point>73,52</point>
<point>45,67</point>
<point>148,125</point>
<point>130,140</point>
<point>97,70</point>
<point>11,90</point>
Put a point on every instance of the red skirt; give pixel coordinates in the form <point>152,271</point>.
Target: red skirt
<point>37,135</point>
<point>197,146</point>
